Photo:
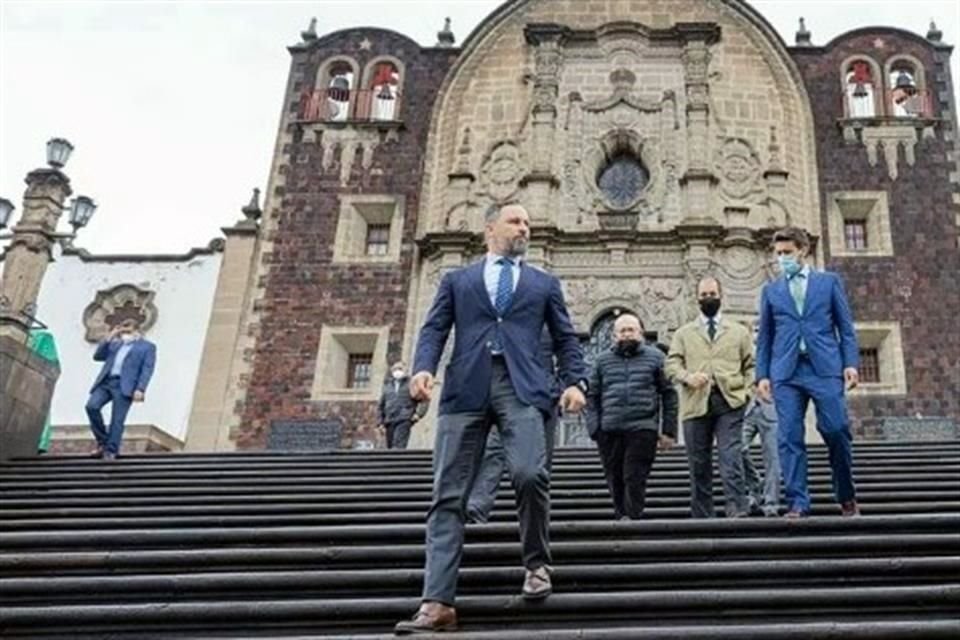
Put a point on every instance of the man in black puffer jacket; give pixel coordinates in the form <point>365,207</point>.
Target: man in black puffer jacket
<point>629,399</point>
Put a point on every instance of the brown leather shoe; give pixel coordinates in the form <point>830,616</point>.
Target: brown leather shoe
<point>430,618</point>
<point>536,584</point>
<point>849,509</point>
<point>97,453</point>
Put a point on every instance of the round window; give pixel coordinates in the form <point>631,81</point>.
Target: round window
<point>622,180</point>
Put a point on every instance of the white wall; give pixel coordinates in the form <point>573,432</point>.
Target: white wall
<point>184,297</point>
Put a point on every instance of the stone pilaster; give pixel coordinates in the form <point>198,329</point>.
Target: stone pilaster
<point>29,252</point>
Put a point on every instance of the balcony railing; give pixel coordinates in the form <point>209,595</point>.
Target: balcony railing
<point>919,105</point>
<point>342,105</point>
<point>895,105</point>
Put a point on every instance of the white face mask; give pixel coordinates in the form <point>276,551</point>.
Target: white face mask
<point>398,374</point>
<point>127,337</point>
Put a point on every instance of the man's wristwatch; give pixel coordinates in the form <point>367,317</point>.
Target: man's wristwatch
<point>583,385</point>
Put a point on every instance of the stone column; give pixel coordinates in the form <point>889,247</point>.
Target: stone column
<point>548,61</point>
<point>698,181</point>
<point>29,252</point>
<point>210,417</point>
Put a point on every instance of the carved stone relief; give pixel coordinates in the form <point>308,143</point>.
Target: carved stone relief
<point>502,170</point>
<point>739,169</point>
<point>659,301</point>
<point>111,307</point>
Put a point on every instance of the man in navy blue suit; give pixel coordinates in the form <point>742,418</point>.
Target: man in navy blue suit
<point>128,361</point>
<point>496,375</point>
<point>807,350</point>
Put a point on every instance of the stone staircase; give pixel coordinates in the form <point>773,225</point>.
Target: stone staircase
<point>331,545</point>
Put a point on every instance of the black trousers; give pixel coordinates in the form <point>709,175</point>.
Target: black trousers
<point>627,459</point>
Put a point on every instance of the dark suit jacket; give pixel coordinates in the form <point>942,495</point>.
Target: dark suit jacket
<point>826,326</point>
<point>462,301</point>
<point>137,368</point>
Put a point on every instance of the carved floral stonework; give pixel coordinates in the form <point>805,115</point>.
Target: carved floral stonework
<point>112,306</point>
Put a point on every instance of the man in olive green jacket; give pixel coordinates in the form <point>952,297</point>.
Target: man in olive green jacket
<point>711,360</point>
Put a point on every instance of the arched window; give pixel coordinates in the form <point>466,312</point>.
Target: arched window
<point>906,99</point>
<point>338,91</point>
<point>384,91</point>
<point>860,89</point>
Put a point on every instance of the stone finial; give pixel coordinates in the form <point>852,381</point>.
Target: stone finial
<point>252,211</point>
<point>311,33</point>
<point>803,37</point>
<point>445,37</point>
<point>934,34</point>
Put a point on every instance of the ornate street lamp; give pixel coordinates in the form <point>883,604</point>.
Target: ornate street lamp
<point>81,210</point>
<point>32,239</point>
<point>58,152</point>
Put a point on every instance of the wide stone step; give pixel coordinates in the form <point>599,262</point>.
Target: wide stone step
<point>330,544</point>
<point>566,609</point>
<point>569,578</point>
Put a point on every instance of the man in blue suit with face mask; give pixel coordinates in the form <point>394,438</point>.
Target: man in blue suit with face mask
<point>128,362</point>
<point>807,350</point>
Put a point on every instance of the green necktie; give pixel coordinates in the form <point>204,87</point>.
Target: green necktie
<point>796,291</point>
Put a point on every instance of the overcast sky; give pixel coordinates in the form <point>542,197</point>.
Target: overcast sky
<point>173,106</point>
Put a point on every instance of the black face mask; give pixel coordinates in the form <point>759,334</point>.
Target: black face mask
<point>710,306</point>
<point>628,347</point>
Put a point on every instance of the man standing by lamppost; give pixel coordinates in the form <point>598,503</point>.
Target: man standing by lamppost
<point>25,262</point>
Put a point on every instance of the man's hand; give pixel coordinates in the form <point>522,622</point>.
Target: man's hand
<point>114,332</point>
<point>138,396</point>
<point>697,380</point>
<point>572,400</point>
<point>421,386</point>
<point>763,390</point>
<point>665,442</point>
<point>851,377</point>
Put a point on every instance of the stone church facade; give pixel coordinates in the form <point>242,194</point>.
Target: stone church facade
<point>652,141</point>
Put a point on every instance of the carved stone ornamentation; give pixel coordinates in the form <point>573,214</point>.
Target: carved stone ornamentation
<point>658,301</point>
<point>502,170</point>
<point>112,306</point>
<point>348,143</point>
<point>740,170</point>
<point>889,140</point>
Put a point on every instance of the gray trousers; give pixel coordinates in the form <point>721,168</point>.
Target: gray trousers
<point>457,454</point>
<point>398,434</point>
<point>484,493</point>
<point>699,434</point>
<point>765,493</point>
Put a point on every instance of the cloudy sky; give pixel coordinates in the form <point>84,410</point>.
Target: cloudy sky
<point>173,106</point>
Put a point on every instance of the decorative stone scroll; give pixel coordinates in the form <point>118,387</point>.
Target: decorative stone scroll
<point>112,306</point>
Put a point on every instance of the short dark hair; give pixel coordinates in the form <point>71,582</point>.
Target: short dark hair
<point>796,235</point>
<point>708,276</point>
<point>493,211</point>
